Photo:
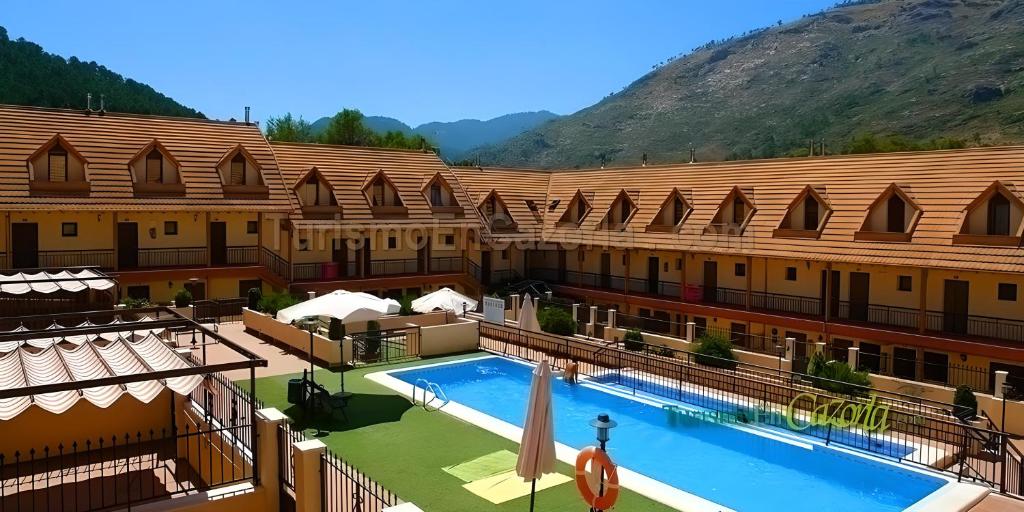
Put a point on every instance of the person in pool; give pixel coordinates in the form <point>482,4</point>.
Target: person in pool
<point>569,375</point>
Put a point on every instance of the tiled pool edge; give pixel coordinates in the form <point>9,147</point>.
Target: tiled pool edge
<point>952,497</point>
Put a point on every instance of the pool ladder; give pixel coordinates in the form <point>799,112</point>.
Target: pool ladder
<point>434,388</point>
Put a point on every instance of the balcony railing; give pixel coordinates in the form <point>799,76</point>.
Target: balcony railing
<point>475,271</point>
<point>104,259</point>
<point>660,288</point>
<point>786,303</point>
<point>394,267</point>
<point>328,271</point>
<point>3,261</point>
<point>446,264</point>
<point>877,314</point>
<point>729,296</point>
<point>243,255</point>
<point>173,257</point>
<point>274,263</point>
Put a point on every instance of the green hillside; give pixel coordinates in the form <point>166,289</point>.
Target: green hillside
<point>910,70</point>
<point>31,76</point>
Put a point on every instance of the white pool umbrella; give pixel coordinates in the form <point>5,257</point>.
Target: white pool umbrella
<point>528,315</point>
<point>537,448</point>
<point>343,305</point>
<point>446,299</point>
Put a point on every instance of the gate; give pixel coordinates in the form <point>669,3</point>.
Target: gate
<point>286,465</point>
<point>381,347</point>
<point>219,310</point>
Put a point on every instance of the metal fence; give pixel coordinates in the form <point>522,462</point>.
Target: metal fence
<point>386,346</point>
<point>344,489</point>
<point>919,431</point>
<point>219,310</point>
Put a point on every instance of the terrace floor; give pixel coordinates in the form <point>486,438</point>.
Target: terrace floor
<point>404,447</point>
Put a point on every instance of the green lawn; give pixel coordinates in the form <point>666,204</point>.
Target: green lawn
<point>404,447</point>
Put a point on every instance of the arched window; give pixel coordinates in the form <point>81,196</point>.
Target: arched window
<point>999,215</point>
<point>238,168</point>
<point>57,163</point>
<point>897,210</point>
<point>810,212</point>
<point>154,166</point>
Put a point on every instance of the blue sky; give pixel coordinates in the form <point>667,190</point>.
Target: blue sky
<point>416,61</point>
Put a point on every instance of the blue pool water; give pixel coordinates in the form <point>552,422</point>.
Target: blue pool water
<point>720,463</point>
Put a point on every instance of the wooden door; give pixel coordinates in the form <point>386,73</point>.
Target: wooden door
<point>606,270</point>
<point>423,256</point>
<point>218,243</point>
<point>954,318</point>
<point>367,258</point>
<point>860,289</point>
<point>485,268</point>
<point>127,245</point>
<point>653,277</point>
<point>339,255</point>
<point>831,301</point>
<point>562,266</point>
<point>710,281</point>
<point>25,245</point>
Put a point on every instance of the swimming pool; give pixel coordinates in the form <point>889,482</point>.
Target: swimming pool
<point>730,466</point>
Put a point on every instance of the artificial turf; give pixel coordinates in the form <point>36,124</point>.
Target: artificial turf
<point>404,447</point>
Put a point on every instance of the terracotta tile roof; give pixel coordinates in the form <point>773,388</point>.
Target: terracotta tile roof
<point>942,183</point>
<point>110,141</point>
<point>516,187</point>
<point>349,169</point>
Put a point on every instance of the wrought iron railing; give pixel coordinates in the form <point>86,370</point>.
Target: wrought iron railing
<point>172,257</point>
<point>104,259</point>
<point>877,314</point>
<point>273,262</point>
<point>394,267</point>
<point>446,264</point>
<point>786,303</point>
<point>243,255</point>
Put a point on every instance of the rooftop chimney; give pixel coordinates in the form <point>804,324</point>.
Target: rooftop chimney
<point>810,148</point>
<point>693,155</point>
<point>103,98</point>
<point>822,152</point>
<point>644,162</point>
<point>88,102</point>
<point>246,115</point>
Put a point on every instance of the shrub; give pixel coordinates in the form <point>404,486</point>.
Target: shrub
<point>714,350</point>
<point>336,330</point>
<point>255,294</point>
<point>372,340</point>
<point>182,299</point>
<point>271,304</point>
<point>965,405</point>
<point>132,303</point>
<point>664,351</point>
<point>406,303</point>
<point>837,376</point>
<point>634,340</point>
<point>556,321</point>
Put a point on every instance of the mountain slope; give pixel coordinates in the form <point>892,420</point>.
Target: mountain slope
<point>31,76</point>
<point>916,68</point>
<point>457,137</point>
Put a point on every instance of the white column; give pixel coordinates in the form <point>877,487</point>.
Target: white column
<point>593,320</point>
<point>515,305</point>
<point>267,421</point>
<point>575,315</point>
<point>548,295</point>
<point>1001,376</point>
<point>611,318</point>
<point>790,349</point>
<point>853,357</point>
<point>819,348</point>
<point>310,295</point>
<point>690,326</point>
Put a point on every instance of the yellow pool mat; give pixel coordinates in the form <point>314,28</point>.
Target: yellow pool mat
<point>509,486</point>
<point>483,467</point>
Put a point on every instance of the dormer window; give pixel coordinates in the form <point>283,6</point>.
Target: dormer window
<point>620,212</point>
<point>154,167</point>
<point>155,172</point>
<point>892,217</point>
<point>56,168</point>
<point>733,215</point>
<point>241,177</point>
<point>383,196</point>
<point>995,217</point>
<point>806,215</point>
<point>316,195</point>
<point>496,213</point>
<point>57,163</point>
<point>441,196</point>
<point>238,164</point>
<point>674,210</point>
<point>578,209</point>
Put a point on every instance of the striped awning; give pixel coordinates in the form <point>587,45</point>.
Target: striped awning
<point>134,330</point>
<point>21,283</point>
<point>90,361</point>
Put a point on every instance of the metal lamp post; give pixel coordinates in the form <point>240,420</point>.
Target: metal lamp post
<point>603,424</point>
<point>310,324</point>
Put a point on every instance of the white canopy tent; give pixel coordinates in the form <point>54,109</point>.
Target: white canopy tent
<point>132,330</point>
<point>21,283</point>
<point>343,305</point>
<point>446,299</point>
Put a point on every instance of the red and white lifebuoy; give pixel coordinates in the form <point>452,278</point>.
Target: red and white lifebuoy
<point>598,460</point>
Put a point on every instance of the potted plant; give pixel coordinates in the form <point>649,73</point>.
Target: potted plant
<point>255,295</point>
<point>965,404</point>
<point>183,299</point>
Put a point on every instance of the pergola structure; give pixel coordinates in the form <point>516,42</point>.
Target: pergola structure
<point>203,435</point>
